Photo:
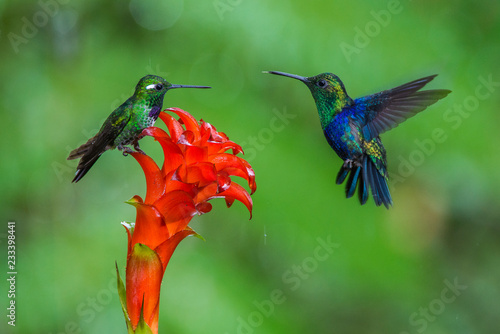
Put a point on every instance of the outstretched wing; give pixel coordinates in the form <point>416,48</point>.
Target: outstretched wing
<point>387,109</point>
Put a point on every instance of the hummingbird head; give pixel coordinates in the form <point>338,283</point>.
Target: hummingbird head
<point>153,88</point>
<point>328,92</point>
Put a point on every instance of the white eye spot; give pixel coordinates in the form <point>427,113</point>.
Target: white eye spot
<point>158,87</point>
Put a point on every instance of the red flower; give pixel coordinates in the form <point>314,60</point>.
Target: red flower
<point>196,169</point>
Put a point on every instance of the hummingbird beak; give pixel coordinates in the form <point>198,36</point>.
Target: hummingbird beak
<point>187,86</point>
<point>298,77</point>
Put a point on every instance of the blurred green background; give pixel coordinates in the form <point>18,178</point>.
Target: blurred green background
<point>428,265</point>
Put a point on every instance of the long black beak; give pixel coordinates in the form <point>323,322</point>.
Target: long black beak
<point>187,86</point>
<point>298,77</point>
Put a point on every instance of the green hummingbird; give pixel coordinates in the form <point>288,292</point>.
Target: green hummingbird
<point>352,127</point>
<point>125,124</point>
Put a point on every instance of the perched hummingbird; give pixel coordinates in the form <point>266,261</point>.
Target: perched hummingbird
<point>352,127</point>
<point>125,124</point>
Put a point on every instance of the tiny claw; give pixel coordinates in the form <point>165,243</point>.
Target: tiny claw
<point>126,150</point>
<point>348,163</point>
<point>137,148</point>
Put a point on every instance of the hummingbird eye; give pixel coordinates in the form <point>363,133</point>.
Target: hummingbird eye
<point>322,83</point>
<point>157,87</point>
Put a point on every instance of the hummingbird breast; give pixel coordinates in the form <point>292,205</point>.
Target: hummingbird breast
<point>142,117</point>
<point>343,135</point>
<point>146,116</point>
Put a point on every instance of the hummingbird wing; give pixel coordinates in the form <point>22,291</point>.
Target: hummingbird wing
<point>387,109</point>
<point>97,145</point>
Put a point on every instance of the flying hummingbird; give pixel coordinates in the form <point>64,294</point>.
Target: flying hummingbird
<point>352,127</point>
<point>125,124</point>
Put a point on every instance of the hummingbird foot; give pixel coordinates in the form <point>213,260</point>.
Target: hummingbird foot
<point>348,163</point>
<point>125,150</point>
<point>137,148</point>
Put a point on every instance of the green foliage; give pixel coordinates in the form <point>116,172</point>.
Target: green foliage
<point>123,302</point>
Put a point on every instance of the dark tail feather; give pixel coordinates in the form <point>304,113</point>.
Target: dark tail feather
<point>88,156</point>
<point>364,177</point>
<point>82,150</point>
<point>86,162</point>
<point>363,186</point>
<point>342,174</point>
<point>378,183</point>
<point>352,182</point>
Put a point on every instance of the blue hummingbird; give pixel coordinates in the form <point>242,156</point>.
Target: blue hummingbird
<point>352,127</point>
